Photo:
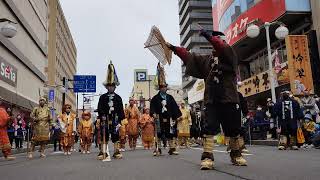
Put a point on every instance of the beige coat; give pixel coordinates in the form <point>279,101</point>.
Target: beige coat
<point>184,123</point>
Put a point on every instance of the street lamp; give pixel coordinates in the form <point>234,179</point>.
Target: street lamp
<point>281,32</point>
<point>8,30</point>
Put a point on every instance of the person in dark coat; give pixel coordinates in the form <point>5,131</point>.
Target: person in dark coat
<point>56,135</point>
<point>288,112</point>
<point>164,108</point>
<point>111,113</point>
<point>221,99</point>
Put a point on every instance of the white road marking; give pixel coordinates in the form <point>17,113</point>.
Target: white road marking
<point>245,154</point>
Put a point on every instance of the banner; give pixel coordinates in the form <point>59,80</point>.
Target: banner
<point>261,82</point>
<point>299,64</point>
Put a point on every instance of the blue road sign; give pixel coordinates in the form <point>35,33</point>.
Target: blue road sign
<point>84,83</point>
<point>51,95</point>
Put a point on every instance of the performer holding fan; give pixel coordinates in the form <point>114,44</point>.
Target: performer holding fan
<point>220,99</point>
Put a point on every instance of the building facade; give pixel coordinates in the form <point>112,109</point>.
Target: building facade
<point>23,58</point>
<point>62,55</point>
<point>234,16</point>
<point>193,13</point>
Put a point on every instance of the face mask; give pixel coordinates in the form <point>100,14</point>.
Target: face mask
<point>259,108</point>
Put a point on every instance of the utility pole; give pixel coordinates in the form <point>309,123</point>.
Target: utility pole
<point>64,93</point>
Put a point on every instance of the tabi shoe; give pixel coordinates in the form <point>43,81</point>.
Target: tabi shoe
<point>237,159</point>
<point>282,142</point>
<point>88,152</point>
<point>100,156</point>
<point>65,153</point>
<point>117,155</point>
<point>245,150</point>
<point>30,155</point>
<point>293,143</point>
<point>83,152</point>
<point>281,147</point>
<point>294,148</point>
<point>42,155</point>
<point>107,159</point>
<point>10,158</point>
<point>69,153</point>
<point>173,151</point>
<point>228,149</point>
<point>157,153</point>
<point>207,161</point>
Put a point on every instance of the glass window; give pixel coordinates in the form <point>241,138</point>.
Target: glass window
<point>235,10</point>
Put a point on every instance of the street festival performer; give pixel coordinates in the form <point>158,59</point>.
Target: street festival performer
<point>220,99</point>
<point>5,145</point>
<point>164,109</point>
<point>42,122</point>
<point>68,129</point>
<point>85,130</point>
<point>132,114</point>
<point>110,112</point>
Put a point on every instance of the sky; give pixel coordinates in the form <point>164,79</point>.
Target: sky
<point>116,30</point>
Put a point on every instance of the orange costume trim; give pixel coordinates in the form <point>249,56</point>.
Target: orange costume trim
<point>5,145</point>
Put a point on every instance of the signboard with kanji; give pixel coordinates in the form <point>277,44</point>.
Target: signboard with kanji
<point>261,82</point>
<point>299,64</point>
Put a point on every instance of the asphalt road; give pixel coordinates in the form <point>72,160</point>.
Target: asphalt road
<point>265,162</point>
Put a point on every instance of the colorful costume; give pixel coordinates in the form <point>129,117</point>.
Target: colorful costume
<point>184,123</point>
<point>221,100</point>
<point>42,121</point>
<point>165,110</point>
<point>85,130</point>
<point>123,134</point>
<point>288,113</point>
<point>68,128</point>
<point>110,112</point>
<point>132,115</point>
<point>5,145</point>
<point>147,126</point>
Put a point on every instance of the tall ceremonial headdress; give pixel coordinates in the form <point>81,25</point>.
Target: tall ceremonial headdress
<point>160,79</point>
<point>157,45</point>
<point>111,78</point>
